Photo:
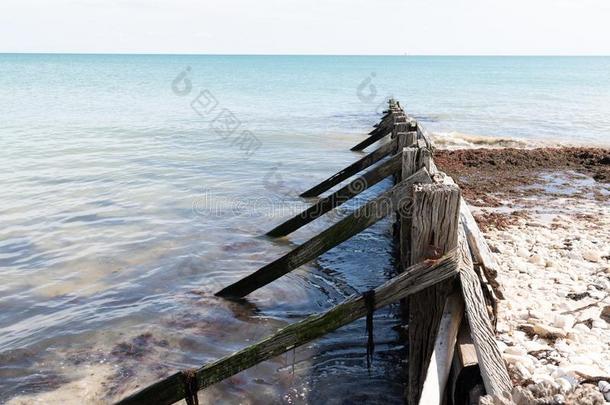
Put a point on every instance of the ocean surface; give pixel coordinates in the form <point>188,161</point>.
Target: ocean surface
<point>134,187</point>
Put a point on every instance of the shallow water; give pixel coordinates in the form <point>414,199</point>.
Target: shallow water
<point>124,208</point>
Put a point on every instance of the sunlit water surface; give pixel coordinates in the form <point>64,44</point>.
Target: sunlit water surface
<point>124,207</point>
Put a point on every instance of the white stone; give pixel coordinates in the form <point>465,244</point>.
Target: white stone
<point>534,346</point>
<point>604,388</point>
<point>536,259</point>
<point>584,370</point>
<point>581,328</point>
<point>581,360</point>
<point>515,350</point>
<point>522,252</point>
<point>589,313</point>
<point>521,369</point>
<point>564,322</point>
<point>550,263</point>
<point>591,255</point>
<point>526,361</point>
<point>564,384</point>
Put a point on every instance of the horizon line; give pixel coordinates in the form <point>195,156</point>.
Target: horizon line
<point>302,54</point>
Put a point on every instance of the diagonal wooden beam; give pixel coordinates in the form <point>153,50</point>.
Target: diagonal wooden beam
<point>349,171</point>
<point>416,278</point>
<point>339,197</point>
<point>381,131</point>
<point>493,370</point>
<point>359,220</point>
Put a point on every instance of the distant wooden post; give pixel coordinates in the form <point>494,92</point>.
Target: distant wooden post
<point>410,165</point>
<point>434,231</point>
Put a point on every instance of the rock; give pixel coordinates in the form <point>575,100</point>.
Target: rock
<point>522,371</point>
<point>535,346</point>
<point>604,388</point>
<point>564,322</point>
<point>550,263</point>
<point>522,252</point>
<point>585,394</point>
<point>564,385</point>
<point>605,314</point>
<point>589,313</point>
<point>580,360</point>
<point>582,328</point>
<point>563,347</point>
<point>586,371</point>
<point>515,350</point>
<point>536,259</point>
<point>525,361</point>
<point>591,255</point>
<point>544,331</point>
<point>502,327</point>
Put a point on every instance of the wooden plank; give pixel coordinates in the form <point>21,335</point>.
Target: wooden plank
<point>382,131</point>
<point>359,165</point>
<point>409,166</point>
<point>466,375</point>
<point>437,378</point>
<point>378,134</point>
<point>385,121</point>
<point>480,250</point>
<point>171,389</point>
<point>339,197</point>
<point>361,219</point>
<point>493,370</point>
<point>434,231</point>
<point>425,135</point>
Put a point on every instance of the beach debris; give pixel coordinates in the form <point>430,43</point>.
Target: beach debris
<point>544,331</point>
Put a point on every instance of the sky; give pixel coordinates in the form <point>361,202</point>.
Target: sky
<point>371,27</point>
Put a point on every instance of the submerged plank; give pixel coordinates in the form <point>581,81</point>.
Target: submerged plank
<point>339,197</point>
<point>418,277</point>
<point>349,171</point>
<point>338,233</point>
<point>382,131</point>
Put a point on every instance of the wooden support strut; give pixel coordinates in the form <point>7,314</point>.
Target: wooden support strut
<point>380,132</point>
<point>437,378</point>
<point>418,277</point>
<point>339,197</point>
<point>359,165</point>
<point>493,370</point>
<point>362,218</point>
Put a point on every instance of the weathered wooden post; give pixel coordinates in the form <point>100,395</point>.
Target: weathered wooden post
<point>434,231</point>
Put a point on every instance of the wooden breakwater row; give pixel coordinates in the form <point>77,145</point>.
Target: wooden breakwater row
<point>444,279</point>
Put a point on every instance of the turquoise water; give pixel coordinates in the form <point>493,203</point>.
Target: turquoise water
<point>125,206</point>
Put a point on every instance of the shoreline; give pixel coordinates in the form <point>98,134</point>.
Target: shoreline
<point>545,215</point>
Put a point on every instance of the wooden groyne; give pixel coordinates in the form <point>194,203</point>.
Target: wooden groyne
<point>446,277</point>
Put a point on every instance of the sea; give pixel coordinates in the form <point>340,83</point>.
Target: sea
<point>134,187</point>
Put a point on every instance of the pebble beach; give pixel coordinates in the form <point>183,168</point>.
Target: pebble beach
<point>546,216</point>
